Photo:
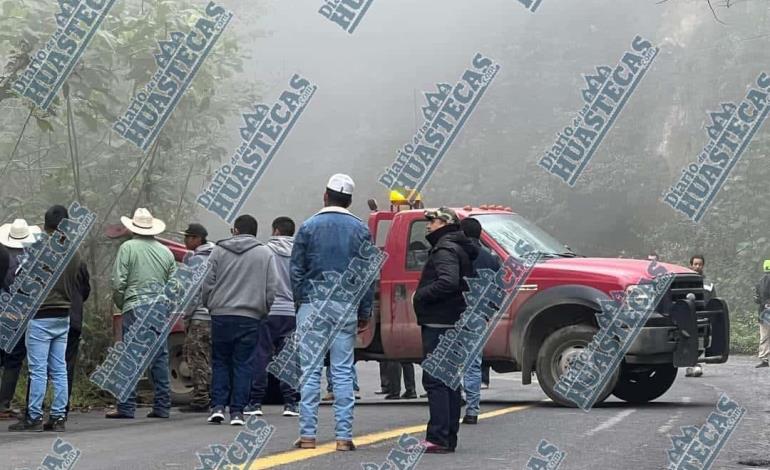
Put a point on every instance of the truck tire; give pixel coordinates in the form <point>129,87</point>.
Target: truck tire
<point>555,354</point>
<point>179,372</point>
<point>640,384</point>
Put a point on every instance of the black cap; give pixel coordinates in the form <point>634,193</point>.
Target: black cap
<point>196,230</point>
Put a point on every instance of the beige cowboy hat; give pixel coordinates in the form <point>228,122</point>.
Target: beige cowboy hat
<point>15,234</point>
<point>144,223</point>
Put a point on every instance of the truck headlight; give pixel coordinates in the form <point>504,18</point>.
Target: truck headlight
<point>639,297</point>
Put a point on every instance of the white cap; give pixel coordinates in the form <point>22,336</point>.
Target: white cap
<point>341,183</point>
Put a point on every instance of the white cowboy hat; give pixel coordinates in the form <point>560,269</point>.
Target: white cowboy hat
<point>144,223</point>
<point>15,234</point>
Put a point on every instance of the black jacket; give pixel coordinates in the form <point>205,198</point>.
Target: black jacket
<point>439,297</point>
<point>485,259</point>
<point>763,292</point>
<point>80,296</point>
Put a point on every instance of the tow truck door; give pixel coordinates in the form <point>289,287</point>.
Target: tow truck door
<point>407,251</point>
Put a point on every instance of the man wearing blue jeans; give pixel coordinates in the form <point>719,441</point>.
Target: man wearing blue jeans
<point>143,266</point>
<point>46,340</point>
<point>473,376</point>
<point>328,241</point>
<point>239,289</point>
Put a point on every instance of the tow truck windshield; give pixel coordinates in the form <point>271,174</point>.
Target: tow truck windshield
<point>510,230</point>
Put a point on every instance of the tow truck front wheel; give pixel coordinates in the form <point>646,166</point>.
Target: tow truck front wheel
<point>558,352</point>
<point>640,384</point>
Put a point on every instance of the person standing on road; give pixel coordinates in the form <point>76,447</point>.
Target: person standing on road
<point>394,371</point>
<point>438,304</point>
<point>472,380</point>
<point>79,297</point>
<point>697,263</point>
<point>13,237</point>
<point>46,340</point>
<point>279,325</point>
<point>328,241</point>
<point>142,269</point>
<point>762,297</point>
<point>239,290</point>
<point>197,322</point>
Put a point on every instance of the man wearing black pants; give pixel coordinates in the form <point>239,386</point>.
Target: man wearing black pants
<point>438,304</point>
<point>393,384</point>
<point>280,323</point>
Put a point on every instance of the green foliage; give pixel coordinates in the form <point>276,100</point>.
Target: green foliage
<point>60,156</point>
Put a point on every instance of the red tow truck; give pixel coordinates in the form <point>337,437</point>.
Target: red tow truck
<point>552,318</point>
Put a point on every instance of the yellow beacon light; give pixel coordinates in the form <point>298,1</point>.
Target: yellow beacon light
<point>400,197</point>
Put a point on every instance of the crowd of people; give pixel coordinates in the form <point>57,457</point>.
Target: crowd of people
<point>252,299</point>
<point>254,296</point>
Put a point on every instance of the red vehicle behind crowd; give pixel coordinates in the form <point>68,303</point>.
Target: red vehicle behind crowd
<point>551,319</point>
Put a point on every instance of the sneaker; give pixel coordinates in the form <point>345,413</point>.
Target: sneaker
<point>409,395</point>
<point>253,410</point>
<point>484,386</point>
<point>468,419</point>
<point>762,364</point>
<point>217,415</point>
<point>236,419</point>
<point>55,423</point>
<point>28,425</point>
<point>392,396</point>
<point>357,395</point>
<point>290,410</point>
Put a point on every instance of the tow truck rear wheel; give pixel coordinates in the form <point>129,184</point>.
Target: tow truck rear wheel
<point>179,373</point>
<point>559,350</point>
<point>640,384</point>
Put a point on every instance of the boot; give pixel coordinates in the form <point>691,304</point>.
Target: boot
<point>8,387</point>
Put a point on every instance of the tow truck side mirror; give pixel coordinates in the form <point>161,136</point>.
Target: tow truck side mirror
<point>372,204</point>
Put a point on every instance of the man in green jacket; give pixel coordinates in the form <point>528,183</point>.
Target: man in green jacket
<point>142,269</point>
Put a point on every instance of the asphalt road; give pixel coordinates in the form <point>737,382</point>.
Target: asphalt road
<point>515,418</point>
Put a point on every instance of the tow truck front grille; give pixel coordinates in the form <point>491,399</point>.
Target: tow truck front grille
<point>683,285</point>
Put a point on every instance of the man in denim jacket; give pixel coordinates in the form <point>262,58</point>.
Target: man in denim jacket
<point>328,241</point>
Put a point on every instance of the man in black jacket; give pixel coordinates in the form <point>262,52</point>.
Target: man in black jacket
<point>438,304</point>
<point>79,297</point>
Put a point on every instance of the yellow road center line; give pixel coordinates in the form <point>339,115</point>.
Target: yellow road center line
<point>297,455</point>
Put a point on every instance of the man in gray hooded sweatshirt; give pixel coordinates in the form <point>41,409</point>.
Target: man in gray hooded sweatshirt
<point>239,290</point>
<point>280,323</point>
